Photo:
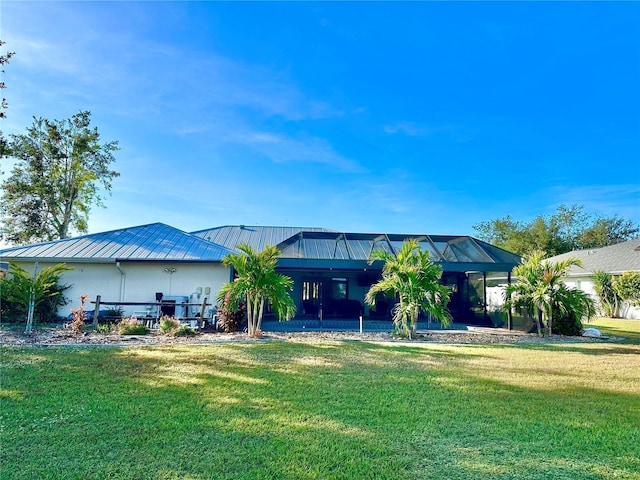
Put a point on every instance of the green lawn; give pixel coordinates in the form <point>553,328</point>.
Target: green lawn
<point>630,329</point>
<point>352,410</point>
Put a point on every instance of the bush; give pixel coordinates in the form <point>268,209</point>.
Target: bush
<point>111,315</point>
<point>171,326</point>
<point>230,320</point>
<point>566,323</point>
<point>79,316</point>
<point>107,328</point>
<point>627,286</point>
<point>184,331</point>
<point>131,326</point>
<point>15,294</point>
<point>168,324</point>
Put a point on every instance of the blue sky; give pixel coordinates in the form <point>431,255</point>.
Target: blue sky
<point>375,117</point>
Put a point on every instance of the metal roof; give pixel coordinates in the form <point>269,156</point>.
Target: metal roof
<point>231,236</point>
<point>622,257</point>
<point>301,247</point>
<point>358,246</point>
<point>153,242</point>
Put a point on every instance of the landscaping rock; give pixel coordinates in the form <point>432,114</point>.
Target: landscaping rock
<point>59,336</point>
<point>591,332</point>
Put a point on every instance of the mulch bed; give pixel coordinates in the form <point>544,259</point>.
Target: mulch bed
<point>48,336</point>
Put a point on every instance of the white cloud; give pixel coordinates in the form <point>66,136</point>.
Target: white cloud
<point>407,128</point>
<point>457,134</point>
<point>284,149</point>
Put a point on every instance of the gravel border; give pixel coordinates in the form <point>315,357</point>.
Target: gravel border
<point>475,335</point>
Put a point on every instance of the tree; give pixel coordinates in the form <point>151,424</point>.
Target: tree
<point>60,168</point>
<point>21,288</point>
<point>570,228</point>
<point>627,285</point>
<point>258,283</point>
<point>415,282</point>
<point>608,231</point>
<point>609,299</point>
<point>4,59</point>
<point>541,291</point>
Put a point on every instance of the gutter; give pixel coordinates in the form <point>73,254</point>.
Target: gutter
<point>123,281</point>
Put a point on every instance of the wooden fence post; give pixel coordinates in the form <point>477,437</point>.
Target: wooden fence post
<point>96,313</point>
<point>202,307</point>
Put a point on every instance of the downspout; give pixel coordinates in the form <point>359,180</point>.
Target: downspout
<point>123,281</point>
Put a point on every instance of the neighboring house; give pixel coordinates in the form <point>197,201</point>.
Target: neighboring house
<point>330,269</point>
<point>615,259</point>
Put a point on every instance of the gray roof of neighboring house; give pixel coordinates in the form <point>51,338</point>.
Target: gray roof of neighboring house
<point>153,242</point>
<point>622,257</point>
<point>231,236</point>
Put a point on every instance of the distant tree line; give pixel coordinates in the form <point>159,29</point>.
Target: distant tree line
<point>569,228</point>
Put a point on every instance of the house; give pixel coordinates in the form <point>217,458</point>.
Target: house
<point>615,259</point>
<point>330,269</point>
<point>130,265</point>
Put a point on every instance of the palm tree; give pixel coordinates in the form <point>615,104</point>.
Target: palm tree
<point>540,289</point>
<point>29,291</point>
<point>257,282</point>
<point>603,284</point>
<point>415,282</point>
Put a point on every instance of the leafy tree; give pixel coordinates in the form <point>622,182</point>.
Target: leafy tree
<point>258,283</point>
<point>55,182</point>
<point>603,284</point>
<point>570,228</point>
<point>607,231</point>
<point>21,288</point>
<point>541,291</point>
<point>415,281</point>
<point>627,285</point>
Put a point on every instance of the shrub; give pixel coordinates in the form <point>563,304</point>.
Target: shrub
<point>566,322</point>
<point>230,320</point>
<point>78,315</point>
<point>16,288</point>
<point>131,326</point>
<point>183,331</point>
<point>111,315</point>
<point>171,326</point>
<point>627,286</point>
<point>168,324</point>
<point>107,328</point>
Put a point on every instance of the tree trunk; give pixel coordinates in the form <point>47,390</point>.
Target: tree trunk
<point>539,322</point>
<point>414,324</point>
<point>249,314</point>
<point>260,313</point>
<point>256,313</point>
<point>63,231</point>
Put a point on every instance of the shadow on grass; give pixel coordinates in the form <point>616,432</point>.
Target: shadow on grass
<point>584,348</point>
<point>292,410</point>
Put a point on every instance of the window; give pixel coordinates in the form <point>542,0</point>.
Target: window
<point>339,288</point>
<point>311,291</point>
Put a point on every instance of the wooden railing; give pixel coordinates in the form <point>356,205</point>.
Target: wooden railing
<point>155,312</point>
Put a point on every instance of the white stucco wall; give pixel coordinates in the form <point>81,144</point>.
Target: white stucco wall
<point>139,283</point>
<point>586,285</point>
